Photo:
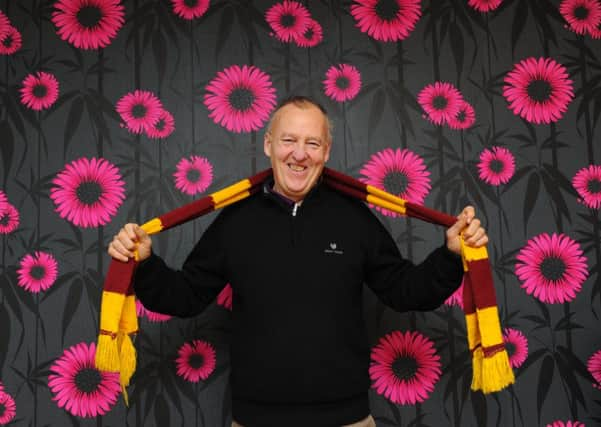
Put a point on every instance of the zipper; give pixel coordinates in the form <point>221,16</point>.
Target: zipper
<point>295,208</point>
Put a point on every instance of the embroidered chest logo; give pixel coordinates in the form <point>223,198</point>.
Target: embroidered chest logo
<point>333,249</point>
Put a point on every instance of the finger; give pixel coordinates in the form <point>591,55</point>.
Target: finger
<point>123,250</point>
<point>469,212</point>
<point>472,240</point>
<point>130,229</point>
<point>459,225</point>
<point>115,254</point>
<point>140,233</point>
<point>472,228</point>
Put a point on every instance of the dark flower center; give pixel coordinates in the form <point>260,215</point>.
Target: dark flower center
<point>196,361</point>
<point>440,102</point>
<point>191,3</point>
<point>461,116</point>
<point>89,192</point>
<point>139,111</point>
<point>309,34</point>
<point>510,347</point>
<point>40,90</point>
<point>87,380</point>
<point>2,409</point>
<point>160,124</point>
<point>396,182</point>
<point>539,90</point>
<point>404,367</point>
<point>193,175</point>
<point>593,186</point>
<point>343,82</point>
<point>287,21</point>
<point>387,9</point>
<point>4,220</point>
<point>89,16</point>
<point>553,268</point>
<point>8,41</point>
<point>497,166</point>
<point>37,272</point>
<point>581,13</point>
<point>241,99</point>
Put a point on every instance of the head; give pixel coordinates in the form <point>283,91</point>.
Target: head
<point>298,142</point>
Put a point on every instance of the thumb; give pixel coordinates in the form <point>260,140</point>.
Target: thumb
<point>141,234</point>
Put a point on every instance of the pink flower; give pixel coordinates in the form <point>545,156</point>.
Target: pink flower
<point>4,25</point>
<point>8,408</point>
<point>88,24</point>
<point>38,272</point>
<point>193,175</point>
<point>441,101</point>
<point>196,361</point>
<point>584,16</point>
<point>456,298</point>
<point>517,346</point>
<point>399,172</point>
<point>152,316</point>
<point>39,91</point>
<point>342,82</point>
<point>484,5</point>
<point>465,117</point>
<point>587,183</point>
<point>594,367</point>
<point>240,99</point>
<point>289,20</point>
<point>88,192</point>
<point>140,110</point>
<point>163,127</point>
<point>404,367</point>
<point>224,298</point>
<point>496,166</point>
<point>312,36</point>
<point>11,42</point>
<point>80,388</point>
<point>386,20</point>
<point>190,9</point>
<point>10,220</point>
<point>551,268</point>
<point>3,203</point>
<point>566,424</point>
<point>538,90</point>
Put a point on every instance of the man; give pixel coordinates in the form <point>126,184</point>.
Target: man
<point>299,353</point>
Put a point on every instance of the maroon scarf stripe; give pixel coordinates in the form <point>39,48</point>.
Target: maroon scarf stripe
<point>469,307</point>
<point>345,189</point>
<point>485,297</point>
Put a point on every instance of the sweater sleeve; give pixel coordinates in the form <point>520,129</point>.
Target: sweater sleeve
<point>404,286</point>
<point>188,291</point>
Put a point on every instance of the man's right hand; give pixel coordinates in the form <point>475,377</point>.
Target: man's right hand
<point>130,238</point>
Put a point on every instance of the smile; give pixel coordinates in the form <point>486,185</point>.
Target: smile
<point>296,168</point>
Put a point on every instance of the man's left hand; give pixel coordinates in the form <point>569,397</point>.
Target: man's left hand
<point>469,226</point>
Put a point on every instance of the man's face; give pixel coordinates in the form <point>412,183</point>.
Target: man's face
<point>298,147</point>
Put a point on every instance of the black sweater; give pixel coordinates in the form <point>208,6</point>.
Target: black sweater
<point>299,352</point>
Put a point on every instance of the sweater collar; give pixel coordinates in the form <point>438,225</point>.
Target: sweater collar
<point>284,201</point>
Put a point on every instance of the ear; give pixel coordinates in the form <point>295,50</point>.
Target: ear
<point>328,148</point>
<point>267,144</point>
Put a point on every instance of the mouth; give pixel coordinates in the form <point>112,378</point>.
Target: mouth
<point>296,168</point>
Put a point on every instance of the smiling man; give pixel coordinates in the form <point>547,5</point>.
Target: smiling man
<point>297,256</point>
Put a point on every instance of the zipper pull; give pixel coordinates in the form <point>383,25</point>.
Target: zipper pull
<point>295,208</point>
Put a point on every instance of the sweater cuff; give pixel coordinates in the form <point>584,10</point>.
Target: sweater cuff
<point>145,269</point>
<point>451,262</point>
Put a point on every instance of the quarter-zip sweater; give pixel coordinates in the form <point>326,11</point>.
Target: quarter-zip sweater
<point>299,350</point>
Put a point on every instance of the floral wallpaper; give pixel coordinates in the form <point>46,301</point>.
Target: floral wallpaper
<point>118,110</point>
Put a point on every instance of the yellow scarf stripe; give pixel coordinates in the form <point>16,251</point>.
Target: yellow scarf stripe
<point>228,192</point>
<point>385,196</point>
<point>375,200</point>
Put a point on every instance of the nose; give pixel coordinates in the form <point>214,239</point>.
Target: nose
<point>300,152</point>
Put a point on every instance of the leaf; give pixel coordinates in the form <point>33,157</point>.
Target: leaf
<point>73,301</point>
<point>565,370</point>
<point>530,197</point>
<point>7,147</point>
<point>161,411</point>
<point>545,379</point>
<point>376,111</point>
<point>73,120</point>
<point>519,22</point>
<point>225,29</point>
<point>479,407</point>
<point>159,48</point>
<point>556,195</point>
<point>576,364</point>
<point>4,337</point>
<point>457,46</point>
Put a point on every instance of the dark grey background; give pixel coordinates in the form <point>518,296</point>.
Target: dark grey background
<point>450,43</point>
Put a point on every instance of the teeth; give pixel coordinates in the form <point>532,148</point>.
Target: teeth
<point>296,168</point>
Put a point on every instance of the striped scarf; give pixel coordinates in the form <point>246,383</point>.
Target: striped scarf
<point>492,372</point>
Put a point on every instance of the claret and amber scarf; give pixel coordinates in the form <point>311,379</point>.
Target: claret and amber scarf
<point>118,321</point>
